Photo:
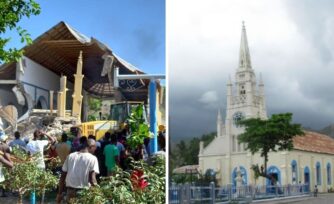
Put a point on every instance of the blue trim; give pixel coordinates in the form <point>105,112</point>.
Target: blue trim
<point>294,169</point>
<point>153,116</point>
<point>329,174</point>
<point>243,172</point>
<point>307,171</point>
<point>318,173</point>
<point>275,170</point>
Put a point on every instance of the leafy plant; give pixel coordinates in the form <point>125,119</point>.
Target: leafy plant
<point>179,157</point>
<point>11,13</point>
<point>91,118</point>
<point>94,104</point>
<point>25,176</point>
<point>143,184</point>
<point>139,129</point>
<point>273,134</point>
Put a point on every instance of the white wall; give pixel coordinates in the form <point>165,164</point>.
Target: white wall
<point>38,81</point>
<point>282,160</point>
<point>38,75</point>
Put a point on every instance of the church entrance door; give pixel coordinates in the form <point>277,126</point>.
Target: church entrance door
<point>276,174</point>
<point>307,176</point>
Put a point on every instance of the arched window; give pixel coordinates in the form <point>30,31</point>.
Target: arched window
<point>318,173</point>
<point>306,175</point>
<point>329,175</point>
<point>41,103</point>
<point>275,173</point>
<point>294,172</point>
<point>243,174</point>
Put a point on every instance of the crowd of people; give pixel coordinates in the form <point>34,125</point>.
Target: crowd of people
<point>82,161</point>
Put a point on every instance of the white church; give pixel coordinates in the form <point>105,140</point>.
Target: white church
<point>310,162</point>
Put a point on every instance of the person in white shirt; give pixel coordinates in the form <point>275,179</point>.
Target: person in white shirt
<point>36,146</point>
<point>79,170</point>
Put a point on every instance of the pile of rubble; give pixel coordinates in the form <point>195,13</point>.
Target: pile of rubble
<point>52,125</point>
<point>38,119</point>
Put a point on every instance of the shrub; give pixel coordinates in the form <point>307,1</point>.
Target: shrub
<point>26,177</point>
<point>144,183</point>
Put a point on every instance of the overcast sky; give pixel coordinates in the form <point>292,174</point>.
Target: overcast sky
<point>291,43</point>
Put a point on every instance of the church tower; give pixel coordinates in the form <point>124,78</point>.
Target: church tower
<point>245,99</point>
<point>220,124</point>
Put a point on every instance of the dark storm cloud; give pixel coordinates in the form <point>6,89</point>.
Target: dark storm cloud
<point>315,21</point>
<point>291,44</point>
<point>147,42</point>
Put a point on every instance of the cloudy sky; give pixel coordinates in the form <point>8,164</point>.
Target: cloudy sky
<point>291,43</point>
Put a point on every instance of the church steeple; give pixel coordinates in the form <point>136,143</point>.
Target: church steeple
<point>219,116</point>
<point>244,57</point>
<point>219,124</point>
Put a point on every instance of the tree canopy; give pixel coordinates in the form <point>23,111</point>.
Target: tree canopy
<point>11,12</point>
<point>186,153</point>
<point>273,134</point>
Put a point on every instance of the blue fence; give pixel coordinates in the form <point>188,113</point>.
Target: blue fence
<point>179,194</point>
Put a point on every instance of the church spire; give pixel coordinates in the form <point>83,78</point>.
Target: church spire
<point>219,124</point>
<point>219,116</point>
<point>244,57</point>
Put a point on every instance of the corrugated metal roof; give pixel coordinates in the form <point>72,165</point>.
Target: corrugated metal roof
<point>186,169</point>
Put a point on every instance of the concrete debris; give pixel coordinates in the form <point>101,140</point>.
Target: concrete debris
<point>52,125</point>
<point>9,114</point>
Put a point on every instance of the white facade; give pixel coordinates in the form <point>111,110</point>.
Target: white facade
<point>37,82</point>
<point>224,155</point>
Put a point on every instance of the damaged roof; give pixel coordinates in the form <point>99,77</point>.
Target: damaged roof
<point>58,49</point>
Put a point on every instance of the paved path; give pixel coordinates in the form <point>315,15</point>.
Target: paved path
<point>327,198</point>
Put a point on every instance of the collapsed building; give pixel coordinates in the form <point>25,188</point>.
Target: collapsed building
<point>55,77</point>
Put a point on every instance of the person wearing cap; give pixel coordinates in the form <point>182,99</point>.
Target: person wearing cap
<point>79,170</point>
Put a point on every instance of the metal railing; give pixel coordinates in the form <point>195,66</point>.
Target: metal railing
<point>186,193</point>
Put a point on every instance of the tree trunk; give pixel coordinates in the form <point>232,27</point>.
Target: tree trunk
<point>265,164</point>
<point>20,199</point>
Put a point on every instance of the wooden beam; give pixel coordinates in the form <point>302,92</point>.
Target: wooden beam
<point>61,41</point>
<point>8,81</point>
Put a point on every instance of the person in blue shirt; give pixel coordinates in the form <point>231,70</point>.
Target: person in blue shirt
<point>17,142</point>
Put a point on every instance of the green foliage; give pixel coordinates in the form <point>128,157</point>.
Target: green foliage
<point>25,176</point>
<point>91,118</point>
<point>11,12</point>
<point>197,178</point>
<point>139,129</point>
<point>91,195</point>
<point>94,104</point>
<point>119,188</point>
<point>180,157</point>
<point>184,178</point>
<point>186,153</point>
<point>273,134</point>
